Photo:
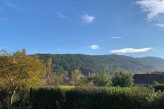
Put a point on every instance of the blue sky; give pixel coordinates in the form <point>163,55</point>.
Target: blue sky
<point>96,27</point>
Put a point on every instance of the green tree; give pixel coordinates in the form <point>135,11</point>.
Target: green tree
<point>122,79</point>
<point>82,82</point>
<point>58,79</point>
<point>19,71</point>
<point>75,76</point>
<point>102,79</point>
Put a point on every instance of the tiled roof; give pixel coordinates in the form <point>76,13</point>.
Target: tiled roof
<point>148,78</point>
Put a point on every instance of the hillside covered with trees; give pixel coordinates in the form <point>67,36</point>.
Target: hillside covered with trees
<point>65,63</point>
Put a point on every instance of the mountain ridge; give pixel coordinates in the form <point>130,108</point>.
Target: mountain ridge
<point>98,63</point>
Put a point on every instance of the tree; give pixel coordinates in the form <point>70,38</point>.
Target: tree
<point>50,79</point>
<point>19,71</point>
<point>122,79</point>
<point>58,79</point>
<point>102,79</point>
<point>82,82</point>
<point>75,76</point>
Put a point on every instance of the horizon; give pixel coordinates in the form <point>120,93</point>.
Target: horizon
<point>93,55</point>
<point>131,27</point>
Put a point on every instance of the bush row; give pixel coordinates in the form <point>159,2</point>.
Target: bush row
<point>96,98</point>
<point>3,96</point>
<point>158,87</point>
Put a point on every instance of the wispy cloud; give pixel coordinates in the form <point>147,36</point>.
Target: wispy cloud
<point>154,9</point>
<point>88,18</point>
<point>161,25</point>
<point>10,4</point>
<point>156,50</point>
<point>94,47</point>
<point>59,50</point>
<point>13,6</point>
<point>116,37</point>
<point>60,15</point>
<point>131,50</point>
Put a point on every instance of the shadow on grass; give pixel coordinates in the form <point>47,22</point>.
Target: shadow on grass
<point>16,108</point>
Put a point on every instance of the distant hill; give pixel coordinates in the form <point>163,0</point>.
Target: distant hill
<point>98,63</point>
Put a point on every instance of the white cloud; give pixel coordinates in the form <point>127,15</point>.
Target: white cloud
<point>60,15</point>
<point>10,4</point>
<point>156,50</point>
<point>58,49</point>
<point>131,50</point>
<point>13,6</point>
<point>88,18</point>
<point>95,47</point>
<point>116,37</point>
<point>154,9</point>
<point>161,25</point>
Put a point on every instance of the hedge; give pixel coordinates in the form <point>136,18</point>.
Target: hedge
<point>47,99</point>
<point>3,95</point>
<point>158,87</point>
<point>96,98</point>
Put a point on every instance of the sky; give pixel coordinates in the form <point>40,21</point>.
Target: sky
<point>95,27</point>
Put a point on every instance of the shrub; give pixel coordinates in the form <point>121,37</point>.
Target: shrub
<point>158,87</point>
<point>96,98</point>
<point>47,98</point>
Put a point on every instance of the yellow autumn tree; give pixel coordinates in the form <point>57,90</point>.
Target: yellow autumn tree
<point>19,71</point>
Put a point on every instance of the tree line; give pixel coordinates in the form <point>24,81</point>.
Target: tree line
<point>65,63</point>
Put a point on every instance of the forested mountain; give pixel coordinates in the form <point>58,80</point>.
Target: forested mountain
<point>96,63</point>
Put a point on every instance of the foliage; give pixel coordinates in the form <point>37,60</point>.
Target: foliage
<point>58,79</point>
<point>122,79</point>
<point>102,79</point>
<point>3,96</point>
<point>65,87</point>
<point>75,75</point>
<point>97,63</point>
<point>96,98</point>
<point>47,99</point>
<point>19,72</point>
<point>158,86</point>
<point>82,82</point>
<point>49,75</point>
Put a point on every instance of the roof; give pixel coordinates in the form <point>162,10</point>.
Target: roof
<point>148,78</point>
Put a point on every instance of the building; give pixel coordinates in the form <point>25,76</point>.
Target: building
<point>147,79</point>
